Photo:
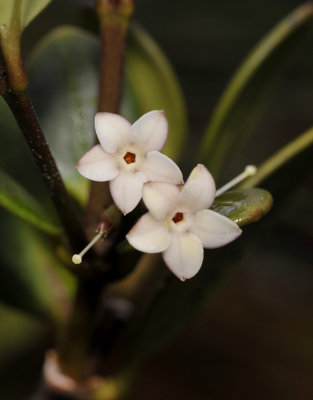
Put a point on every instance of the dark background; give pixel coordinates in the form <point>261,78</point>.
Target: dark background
<point>253,338</point>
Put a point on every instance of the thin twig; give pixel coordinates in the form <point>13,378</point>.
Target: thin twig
<point>24,113</point>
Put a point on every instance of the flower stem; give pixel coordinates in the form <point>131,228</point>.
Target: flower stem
<point>24,113</point>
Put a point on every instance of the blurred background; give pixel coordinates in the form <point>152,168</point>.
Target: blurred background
<point>254,336</point>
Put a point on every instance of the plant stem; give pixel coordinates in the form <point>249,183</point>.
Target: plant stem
<point>75,352</point>
<point>114,16</point>
<point>24,113</point>
<point>280,158</point>
<point>75,348</point>
<point>220,137</point>
<point>13,88</point>
<point>11,50</point>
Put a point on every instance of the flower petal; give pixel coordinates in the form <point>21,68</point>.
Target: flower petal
<point>160,198</point>
<point>213,229</point>
<point>149,235</point>
<point>159,168</point>
<point>97,165</point>
<point>199,190</point>
<point>112,130</point>
<point>126,190</point>
<point>184,256</point>
<point>150,131</point>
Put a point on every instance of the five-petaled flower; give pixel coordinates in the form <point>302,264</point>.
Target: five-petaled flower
<point>128,156</point>
<point>179,223</point>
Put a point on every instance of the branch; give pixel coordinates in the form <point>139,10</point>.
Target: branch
<point>24,113</point>
<point>114,16</point>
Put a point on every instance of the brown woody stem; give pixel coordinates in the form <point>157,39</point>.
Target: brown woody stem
<point>24,113</point>
<point>114,16</point>
<point>13,88</point>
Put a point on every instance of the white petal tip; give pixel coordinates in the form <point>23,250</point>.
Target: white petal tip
<point>149,235</point>
<point>124,211</point>
<point>198,193</point>
<point>97,165</point>
<point>184,256</point>
<point>76,259</point>
<point>150,131</point>
<point>126,190</point>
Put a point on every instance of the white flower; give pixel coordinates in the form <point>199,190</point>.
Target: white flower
<point>128,156</point>
<point>180,225</point>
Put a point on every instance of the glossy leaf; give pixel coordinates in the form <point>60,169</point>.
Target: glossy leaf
<point>17,200</point>
<point>30,273</point>
<point>153,85</point>
<point>239,106</point>
<point>20,13</point>
<point>174,302</point>
<point>244,206</point>
<point>65,97</point>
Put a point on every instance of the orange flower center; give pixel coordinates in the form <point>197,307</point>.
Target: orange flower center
<point>129,158</point>
<point>179,216</point>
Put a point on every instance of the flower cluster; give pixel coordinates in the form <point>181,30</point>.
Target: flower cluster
<point>128,156</point>
<point>178,223</point>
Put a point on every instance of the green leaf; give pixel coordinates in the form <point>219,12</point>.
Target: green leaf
<point>31,276</point>
<point>15,15</point>
<point>30,9</point>
<point>239,106</point>
<point>17,200</point>
<point>19,13</point>
<point>63,72</point>
<point>244,206</point>
<point>153,85</point>
<point>17,331</point>
<point>65,94</point>
<point>174,302</point>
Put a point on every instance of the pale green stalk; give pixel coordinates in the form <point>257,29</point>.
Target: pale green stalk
<point>218,140</point>
<point>280,158</point>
